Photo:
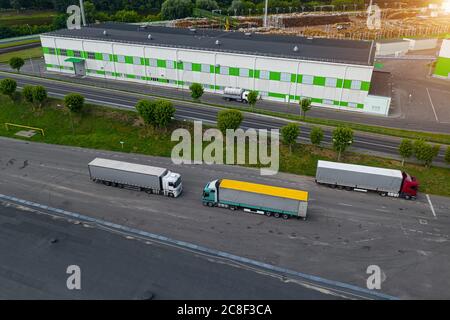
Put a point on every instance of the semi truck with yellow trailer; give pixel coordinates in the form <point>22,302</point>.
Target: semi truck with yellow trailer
<point>256,198</point>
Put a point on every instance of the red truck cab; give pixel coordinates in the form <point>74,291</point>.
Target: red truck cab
<point>410,186</point>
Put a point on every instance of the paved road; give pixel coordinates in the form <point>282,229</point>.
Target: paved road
<point>404,114</point>
<point>20,47</point>
<point>367,143</point>
<point>114,267</point>
<point>344,234</point>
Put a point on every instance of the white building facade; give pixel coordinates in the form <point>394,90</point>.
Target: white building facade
<point>327,84</point>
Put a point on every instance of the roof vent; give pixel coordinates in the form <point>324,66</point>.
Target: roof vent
<point>295,49</point>
<point>218,43</point>
<point>149,37</point>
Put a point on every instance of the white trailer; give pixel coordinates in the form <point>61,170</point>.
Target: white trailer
<point>387,182</point>
<point>142,177</point>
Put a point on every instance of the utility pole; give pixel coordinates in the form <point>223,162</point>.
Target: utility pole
<point>266,5</point>
<point>83,16</point>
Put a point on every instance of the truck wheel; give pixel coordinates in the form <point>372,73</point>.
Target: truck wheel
<point>149,191</point>
<point>348,188</point>
<point>205,203</point>
<point>285,216</point>
<point>210,204</point>
<point>107,183</point>
<point>268,214</point>
<point>407,197</point>
<point>170,195</point>
<point>332,186</point>
<point>276,215</point>
<point>383,194</point>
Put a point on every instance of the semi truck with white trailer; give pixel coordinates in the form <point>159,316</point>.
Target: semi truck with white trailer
<point>236,94</point>
<point>387,182</point>
<point>137,176</point>
<point>256,198</point>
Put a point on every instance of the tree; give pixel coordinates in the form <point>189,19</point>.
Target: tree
<point>39,95</point>
<point>164,112</point>
<point>289,134</point>
<point>447,155</point>
<point>27,93</point>
<point>146,110</point>
<point>406,149</point>
<point>229,119</point>
<point>342,138</point>
<point>196,91</point>
<point>60,21</point>
<point>127,16</point>
<point>305,105</point>
<point>425,152</point>
<point>252,98</point>
<point>16,63</point>
<point>74,102</point>
<point>89,12</point>
<point>8,87</point>
<point>316,136</point>
<point>176,9</point>
<point>206,5</point>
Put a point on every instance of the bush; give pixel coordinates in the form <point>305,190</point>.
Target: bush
<point>176,9</point>
<point>342,138</point>
<point>316,136</point>
<point>406,149</point>
<point>252,98</point>
<point>16,63</point>
<point>74,102</point>
<point>206,5</point>
<point>8,87</point>
<point>289,135</point>
<point>196,91</point>
<point>229,119</point>
<point>27,93</point>
<point>163,113</point>
<point>146,110</point>
<point>425,152</point>
<point>39,95</point>
<point>447,155</point>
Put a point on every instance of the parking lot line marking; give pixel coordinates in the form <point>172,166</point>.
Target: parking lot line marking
<point>432,105</point>
<point>431,206</point>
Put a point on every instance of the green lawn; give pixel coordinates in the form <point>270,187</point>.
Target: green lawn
<point>25,54</point>
<point>31,17</point>
<point>104,128</point>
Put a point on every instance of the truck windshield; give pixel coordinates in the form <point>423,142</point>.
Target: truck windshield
<point>176,183</point>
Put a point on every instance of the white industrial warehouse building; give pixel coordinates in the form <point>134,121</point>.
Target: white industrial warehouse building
<point>332,73</point>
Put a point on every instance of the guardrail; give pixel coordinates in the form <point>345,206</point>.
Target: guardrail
<point>7,125</point>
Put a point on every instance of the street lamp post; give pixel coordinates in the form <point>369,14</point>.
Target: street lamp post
<point>31,60</point>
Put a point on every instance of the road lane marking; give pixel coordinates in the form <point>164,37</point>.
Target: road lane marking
<point>345,204</point>
<point>431,206</point>
<point>432,105</point>
<point>316,280</point>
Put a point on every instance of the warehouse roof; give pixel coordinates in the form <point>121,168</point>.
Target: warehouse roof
<point>264,189</point>
<point>330,50</point>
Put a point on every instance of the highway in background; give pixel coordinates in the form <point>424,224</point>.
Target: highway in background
<point>363,142</point>
<point>345,231</point>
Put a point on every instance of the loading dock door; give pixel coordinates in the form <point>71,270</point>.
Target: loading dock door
<point>78,66</point>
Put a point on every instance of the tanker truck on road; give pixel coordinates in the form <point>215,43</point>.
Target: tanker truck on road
<point>256,198</point>
<point>387,182</point>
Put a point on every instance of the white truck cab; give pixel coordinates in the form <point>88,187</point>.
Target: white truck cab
<point>172,184</point>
